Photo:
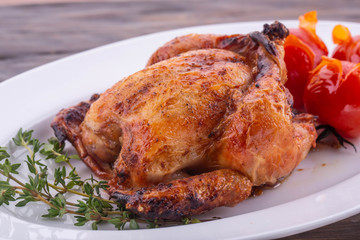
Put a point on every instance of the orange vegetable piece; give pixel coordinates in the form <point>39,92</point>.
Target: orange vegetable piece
<point>348,48</point>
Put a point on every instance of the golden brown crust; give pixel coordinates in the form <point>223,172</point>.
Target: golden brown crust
<point>183,44</point>
<point>167,112</point>
<point>262,139</point>
<point>186,197</point>
<point>66,126</point>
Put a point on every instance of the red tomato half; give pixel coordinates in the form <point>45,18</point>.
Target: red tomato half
<point>348,48</point>
<point>299,61</point>
<point>303,51</point>
<point>332,93</point>
<point>307,34</point>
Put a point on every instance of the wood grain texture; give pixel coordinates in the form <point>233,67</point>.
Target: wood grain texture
<point>32,35</point>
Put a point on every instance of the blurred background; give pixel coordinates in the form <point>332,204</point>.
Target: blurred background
<point>35,32</point>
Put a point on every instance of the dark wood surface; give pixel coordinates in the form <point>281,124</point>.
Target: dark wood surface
<point>31,35</point>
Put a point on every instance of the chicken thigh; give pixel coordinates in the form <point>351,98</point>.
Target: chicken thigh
<point>206,120</point>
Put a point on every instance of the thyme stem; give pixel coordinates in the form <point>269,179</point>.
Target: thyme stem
<point>12,178</point>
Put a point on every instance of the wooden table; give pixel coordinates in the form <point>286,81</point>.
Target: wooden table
<point>31,35</point>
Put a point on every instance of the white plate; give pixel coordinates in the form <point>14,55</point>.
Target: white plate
<point>325,191</point>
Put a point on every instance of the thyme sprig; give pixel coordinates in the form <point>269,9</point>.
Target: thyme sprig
<point>91,208</point>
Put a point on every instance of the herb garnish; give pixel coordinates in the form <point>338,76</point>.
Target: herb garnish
<point>92,207</point>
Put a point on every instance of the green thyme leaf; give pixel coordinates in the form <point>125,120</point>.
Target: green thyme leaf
<point>152,224</point>
<point>75,157</point>
<point>4,185</point>
<point>61,158</point>
<point>3,153</point>
<point>134,224</point>
<point>26,200</point>
<point>31,165</point>
<point>195,220</point>
<point>88,189</point>
<point>52,213</point>
<point>80,221</point>
<point>118,223</point>
<point>7,193</point>
<point>94,226</point>
<point>186,221</point>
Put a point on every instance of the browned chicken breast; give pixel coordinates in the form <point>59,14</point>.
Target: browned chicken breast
<point>206,120</point>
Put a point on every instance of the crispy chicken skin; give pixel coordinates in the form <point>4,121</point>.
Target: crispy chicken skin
<point>66,126</point>
<point>214,107</point>
<point>188,196</point>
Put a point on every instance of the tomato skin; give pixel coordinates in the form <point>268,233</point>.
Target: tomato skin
<point>349,52</point>
<point>332,93</point>
<point>348,48</point>
<point>299,61</point>
<point>303,51</point>
<point>313,42</point>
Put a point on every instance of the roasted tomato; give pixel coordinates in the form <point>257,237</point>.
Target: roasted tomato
<point>303,51</point>
<point>348,48</point>
<point>332,93</point>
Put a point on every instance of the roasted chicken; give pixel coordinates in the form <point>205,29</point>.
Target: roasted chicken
<point>204,122</point>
